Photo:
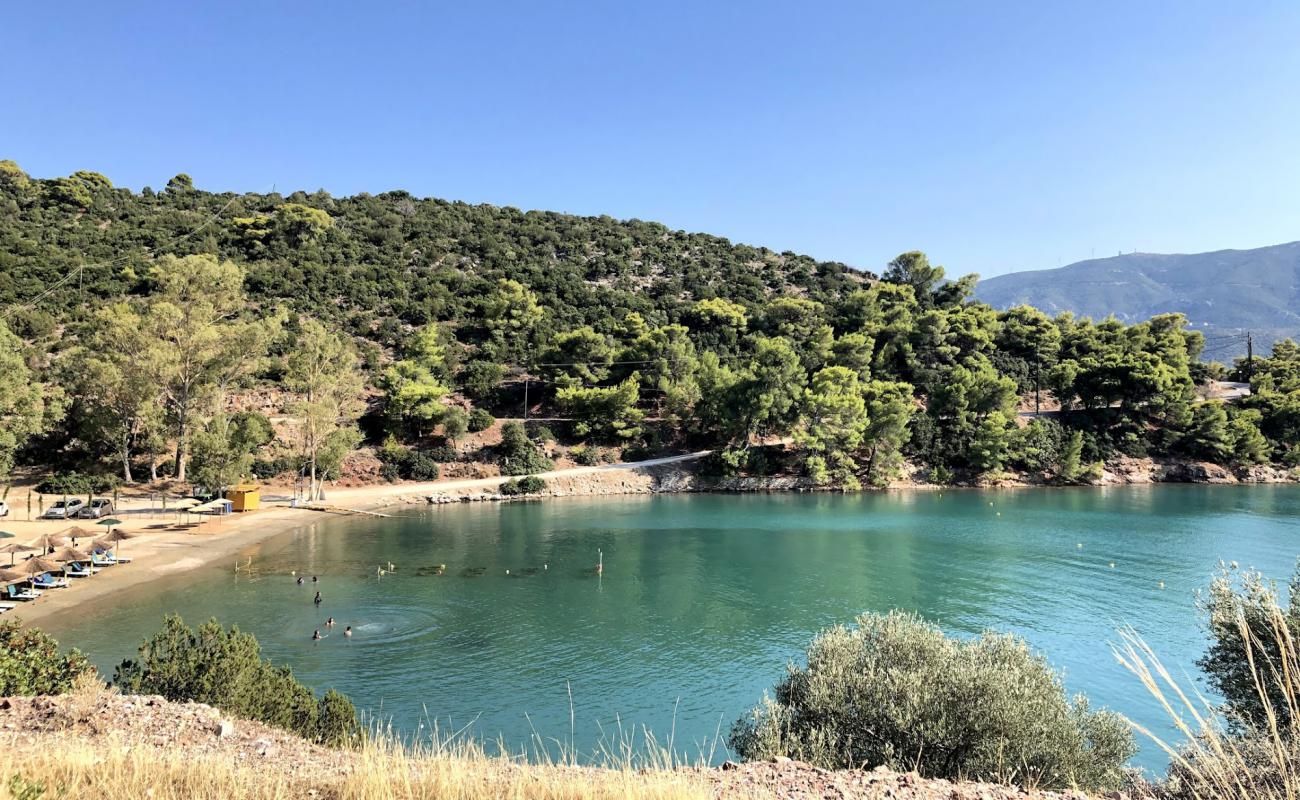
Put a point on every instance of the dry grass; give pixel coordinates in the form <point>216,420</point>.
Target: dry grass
<point>76,768</point>
<point>1215,763</point>
<point>83,761</point>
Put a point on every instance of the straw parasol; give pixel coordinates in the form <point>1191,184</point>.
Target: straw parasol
<point>32,567</point>
<point>8,576</point>
<point>48,541</point>
<point>78,532</point>
<point>68,554</point>
<point>187,502</point>
<point>14,549</point>
<point>113,537</point>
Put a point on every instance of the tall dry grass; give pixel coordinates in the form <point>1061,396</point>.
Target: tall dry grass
<point>75,768</point>
<point>1217,760</point>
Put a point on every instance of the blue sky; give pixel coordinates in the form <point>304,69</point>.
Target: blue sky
<point>995,136</point>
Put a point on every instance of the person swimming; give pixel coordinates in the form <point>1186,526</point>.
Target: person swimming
<point>314,579</point>
<point>300,580</point>
<point>329,623</point>
<point>316,635</point>
<point>347,631</point>
<point>317,601</point>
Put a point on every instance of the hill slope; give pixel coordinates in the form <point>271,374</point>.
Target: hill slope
<point>1224,293</point>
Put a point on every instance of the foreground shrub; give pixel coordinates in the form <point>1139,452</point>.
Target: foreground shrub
<point>530,484</point>
<point>224,668</point>
<point>1248,748</point>
<point>895,691</point>
<point>1249,634</point>
<point>30,662</point>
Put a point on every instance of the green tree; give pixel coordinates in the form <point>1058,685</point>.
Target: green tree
<point>24,410</point>
<point>770,391</point>
<point>578,357</point>
<point>415,385</point>
<point>832,427</point>
<point>1209,436</point>
<point>201,346</point>
<point>31,664</point>
<point>322,372</point>
<point>607,412</point>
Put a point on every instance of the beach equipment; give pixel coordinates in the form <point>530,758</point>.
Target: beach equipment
<point>110,522</point>
<point>111,539</point>
<point>14,548</point>
<point>69,554</point>
<point>77,532</point>
<point>33,568</point>
<point>48,541</point>
<point>186,503</point>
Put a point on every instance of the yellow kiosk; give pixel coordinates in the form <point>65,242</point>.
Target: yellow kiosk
<point>245,496</point>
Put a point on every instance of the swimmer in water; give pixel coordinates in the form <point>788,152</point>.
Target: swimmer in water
<point>329,623</point>
<point>300,580</point>
<point>317,600</point>
<point>316,635</point>
<point>348,631</point>
<point>314,579</point>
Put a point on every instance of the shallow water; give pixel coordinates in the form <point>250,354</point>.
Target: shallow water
<point>704,598</point>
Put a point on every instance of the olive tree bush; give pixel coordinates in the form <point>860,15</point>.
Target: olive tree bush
<point>895,691</point>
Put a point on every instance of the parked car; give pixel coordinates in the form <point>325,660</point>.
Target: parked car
<point>99,507</point>
<point>64,509</point>
<point>4,509</point>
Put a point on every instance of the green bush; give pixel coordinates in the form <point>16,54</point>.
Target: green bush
<point>30,662</point>
<point>75,484</point>
<point>586,456</point>
<point>517,454</point>
<point>530,484</point>
<point>480,420</point>
<point>420,466</point>
<point>895,691</point>
<point>224,668</point>
<point>1247,596</point>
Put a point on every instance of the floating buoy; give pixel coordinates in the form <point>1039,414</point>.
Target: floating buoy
<point>999,513</point>
<point>507,572</point>
<point>1079,546</point>
<point>1162,584</point>
<point>1112,565</point>
<point>546,566</point>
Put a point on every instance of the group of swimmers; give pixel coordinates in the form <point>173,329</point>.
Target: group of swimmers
<point>329,623</point>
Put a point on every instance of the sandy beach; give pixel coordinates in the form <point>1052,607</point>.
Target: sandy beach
<point>167,543</point>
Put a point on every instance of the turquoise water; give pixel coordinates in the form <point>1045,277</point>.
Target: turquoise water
<point>705,598</point>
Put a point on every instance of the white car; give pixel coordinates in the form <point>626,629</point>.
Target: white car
<point>4,509</point>
<point>64,509</point>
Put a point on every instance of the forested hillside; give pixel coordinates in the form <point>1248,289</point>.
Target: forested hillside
<point>130,320</point>
<point>1225,294</point>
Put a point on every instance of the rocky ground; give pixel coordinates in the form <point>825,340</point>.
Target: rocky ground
<point>105,719</point>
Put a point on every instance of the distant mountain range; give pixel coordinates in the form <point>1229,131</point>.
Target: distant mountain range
<point>1226,294</point>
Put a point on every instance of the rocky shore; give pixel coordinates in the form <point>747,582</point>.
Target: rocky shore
<point>33,728</point>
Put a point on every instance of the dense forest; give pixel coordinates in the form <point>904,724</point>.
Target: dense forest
<point>127,321</point>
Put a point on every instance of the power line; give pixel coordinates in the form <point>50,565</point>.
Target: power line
<point>78,270</point>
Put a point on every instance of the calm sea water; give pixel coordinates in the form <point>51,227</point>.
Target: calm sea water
<point>705,598</point>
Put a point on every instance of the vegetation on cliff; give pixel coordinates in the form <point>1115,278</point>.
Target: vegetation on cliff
<point>128,321</point>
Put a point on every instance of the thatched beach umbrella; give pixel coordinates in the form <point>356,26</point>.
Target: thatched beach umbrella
<point>111,539</point>
<point>77,532</point>
<point>48,541</point>
<point>14,549</point>
<point>11,576</point>
<point>33,567</point>
<point>68,554</point>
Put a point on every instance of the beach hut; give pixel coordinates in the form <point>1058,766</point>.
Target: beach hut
<point>245,497</point>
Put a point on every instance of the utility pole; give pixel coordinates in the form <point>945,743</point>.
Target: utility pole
<point>1250,357</point>
<point>1038,369</point>
<point>525,398</point>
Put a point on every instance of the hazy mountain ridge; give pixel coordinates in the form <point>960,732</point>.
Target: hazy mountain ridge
<point>1223,293</point>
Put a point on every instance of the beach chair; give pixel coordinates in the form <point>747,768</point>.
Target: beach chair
<point>48,581</point>
<point>12,592</point>
<point>98,560</point>
<point>76,569</point>
<point>7,607</point>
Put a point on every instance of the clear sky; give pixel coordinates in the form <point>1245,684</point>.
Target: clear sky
<point>996,136</point>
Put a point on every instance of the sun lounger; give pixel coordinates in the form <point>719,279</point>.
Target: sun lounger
<point>48,581</point>
<point>14,593</point>
<point>7,607</point>
<point>76,569</point>
<point>102,561</point>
